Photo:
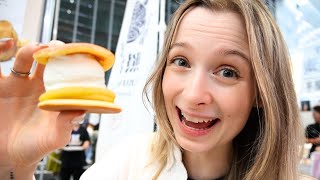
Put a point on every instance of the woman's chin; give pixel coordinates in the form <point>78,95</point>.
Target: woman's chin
<point>194,147</point>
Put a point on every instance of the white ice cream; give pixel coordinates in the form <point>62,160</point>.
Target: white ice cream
<point>73,70</point>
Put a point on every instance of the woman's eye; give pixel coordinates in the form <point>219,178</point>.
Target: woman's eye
<point>181,62</point>
<point>228,73</point>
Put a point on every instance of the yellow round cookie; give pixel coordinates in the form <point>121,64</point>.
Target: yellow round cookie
<point>102,55</point>
<point>90,99</point>
<point>89,93</point>
<point>90,106</point>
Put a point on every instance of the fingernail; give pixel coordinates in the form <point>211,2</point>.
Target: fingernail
<point>5,39</point>
<point>43,45</point>
<point>77,120</point>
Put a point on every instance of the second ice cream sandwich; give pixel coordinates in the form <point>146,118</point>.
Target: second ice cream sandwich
<point>74,78</point>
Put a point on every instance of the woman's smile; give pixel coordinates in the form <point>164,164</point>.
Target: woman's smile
<point>194,125</point>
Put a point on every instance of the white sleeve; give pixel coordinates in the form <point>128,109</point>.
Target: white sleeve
<point>123,161</point>
<point>113,165</point>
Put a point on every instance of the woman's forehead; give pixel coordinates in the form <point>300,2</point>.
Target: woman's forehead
<point>206,19</point>
<point>201,24</point>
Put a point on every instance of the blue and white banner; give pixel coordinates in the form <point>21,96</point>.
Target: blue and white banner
<point>135,56</point>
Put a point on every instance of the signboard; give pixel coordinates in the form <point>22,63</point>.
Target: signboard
<point>135,55</point>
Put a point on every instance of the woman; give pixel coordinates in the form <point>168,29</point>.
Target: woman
<point>222,93</point>
<point>254,61</point>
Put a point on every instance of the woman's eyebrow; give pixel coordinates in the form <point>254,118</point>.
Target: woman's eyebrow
<point>223,52</point>
<point>179,44</point>
<point>226,52</point>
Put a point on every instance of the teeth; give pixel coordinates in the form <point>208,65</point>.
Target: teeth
<point>194,119</point>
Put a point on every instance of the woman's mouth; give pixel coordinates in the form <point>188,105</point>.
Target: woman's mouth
<point>196,126</point>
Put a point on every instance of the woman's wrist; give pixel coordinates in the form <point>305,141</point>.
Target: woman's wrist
<point>18,172</point>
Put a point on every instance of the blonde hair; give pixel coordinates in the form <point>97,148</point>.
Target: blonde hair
<point>268,145</point>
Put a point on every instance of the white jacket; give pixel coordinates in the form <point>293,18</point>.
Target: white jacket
<point>129,160</point>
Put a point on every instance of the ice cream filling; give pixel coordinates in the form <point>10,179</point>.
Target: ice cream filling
<point>77,70</point>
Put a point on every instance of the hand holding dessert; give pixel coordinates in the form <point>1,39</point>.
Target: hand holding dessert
<point>28,133</point>
<point>74,78</point>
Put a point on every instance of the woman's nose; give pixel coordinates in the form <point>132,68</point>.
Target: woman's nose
<point>198,89</point>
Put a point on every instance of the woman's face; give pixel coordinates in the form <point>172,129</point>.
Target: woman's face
<point>208,84</point>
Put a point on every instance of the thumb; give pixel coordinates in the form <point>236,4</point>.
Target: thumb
<point>64,125</point>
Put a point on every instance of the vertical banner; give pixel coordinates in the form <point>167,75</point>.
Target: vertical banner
<point>135,56</point>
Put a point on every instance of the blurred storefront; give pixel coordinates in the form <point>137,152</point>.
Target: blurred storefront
<point>299,21</point>
<point>94,21</point>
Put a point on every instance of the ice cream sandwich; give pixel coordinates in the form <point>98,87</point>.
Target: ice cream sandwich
<point>74,78</point>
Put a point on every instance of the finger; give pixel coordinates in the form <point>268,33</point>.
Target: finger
<point>68,116</point>
<point>64,125</point>
<point>24,59</point>
<point>38,71</point>
<point>6,44</point>
<point>7,49</point>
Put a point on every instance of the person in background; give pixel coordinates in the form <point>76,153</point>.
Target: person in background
<point>313,130</point>
<point>73,157</point>
<point>92,127</point>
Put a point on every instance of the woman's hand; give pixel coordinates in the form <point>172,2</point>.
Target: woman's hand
<point>26,132</point>
<point>8,48</point>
